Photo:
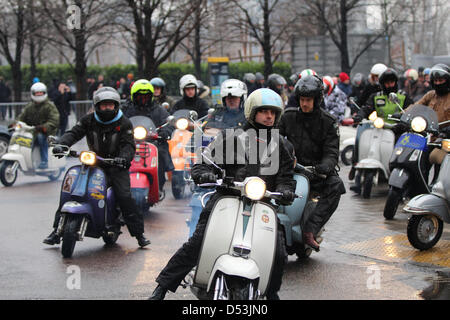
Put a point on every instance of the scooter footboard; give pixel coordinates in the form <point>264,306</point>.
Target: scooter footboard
<point>428,204</point>
<point>234,266</point>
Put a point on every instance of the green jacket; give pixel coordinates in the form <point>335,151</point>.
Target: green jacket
<point>385,107</point>
<point>44,113</point>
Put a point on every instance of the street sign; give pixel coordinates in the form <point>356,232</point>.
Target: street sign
<point>218,73</point>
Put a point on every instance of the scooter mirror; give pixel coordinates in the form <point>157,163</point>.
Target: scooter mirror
<point>393,97</point>
<point>193,115</point>
<point>171,120</point>
<point>211,112</point>
<point>165,105</point>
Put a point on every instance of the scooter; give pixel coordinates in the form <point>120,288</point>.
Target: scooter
<point>408,164</point>
<point>144,167</point>
<point>294,216</point>
<point>375,147</point>
<point>238,249</point>
<point>430,211</point>
<point>347,134</point>
<point>87,203</point>
<point>24,155</point>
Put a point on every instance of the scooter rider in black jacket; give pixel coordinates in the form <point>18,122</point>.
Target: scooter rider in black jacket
<point>263,109</point>
<point>191,100</point>
<point>315,136</point>
<point>141,103</point>
<point>110,135</point>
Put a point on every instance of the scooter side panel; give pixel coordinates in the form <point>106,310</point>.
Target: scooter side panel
<point>442,187</point>
<point>428,203</point>
<point>218,236</point>
<point>96,197</point>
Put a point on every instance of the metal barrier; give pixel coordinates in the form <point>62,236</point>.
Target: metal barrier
<point>10,110</point>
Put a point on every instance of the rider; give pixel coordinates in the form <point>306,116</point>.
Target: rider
<point>110,135</point>
<point>190,100</point>
<point>315,136</point>
<point>277,83</point>
<point>384,107</point>
<point>373,85</point>
<point>159,95</point>
<point>263,109</point>
<point>141,103</point>
<point>43,114</point>
<point>335,99</point>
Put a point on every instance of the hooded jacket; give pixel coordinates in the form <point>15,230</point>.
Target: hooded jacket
<point>45,114</point>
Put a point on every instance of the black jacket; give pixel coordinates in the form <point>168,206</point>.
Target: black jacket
<point>315,136</point>
<point>280,180</point>
<point>198,105</point>
<point>108,141</point>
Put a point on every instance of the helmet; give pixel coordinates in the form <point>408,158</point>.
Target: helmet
<point>310,86</point>
<point>188,81</point>
<point>293,78</point>
<point>263,98</point>
<point>328,85</point>
<point>234,88</point>
<point>38,87</point>
<point>426,71</point>
<point>358,79</point>
<point>142,87</point>
<point>259,76</point>
<point>274,80</point>
<point>249,77</point>
<point>412,73</point>
<point>158,82</point>
<point>440,70</point>
<point>307,72</point>
<point>378,69</point>
<point>388,75</point>
<point>106,94</point>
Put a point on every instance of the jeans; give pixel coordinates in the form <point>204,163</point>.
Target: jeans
<point>41,141</point>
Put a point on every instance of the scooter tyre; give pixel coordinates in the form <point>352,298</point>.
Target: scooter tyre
<point>56,176</point>
<point>414,228</point>
<point>347,159</point>
<point>178,186</point>
<point>6,180</point>
<point>69,238</point>
<point>367,184</point>
<point>392,202</point>
<point>110,240</point>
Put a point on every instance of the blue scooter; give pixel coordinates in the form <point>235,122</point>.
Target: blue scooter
<point>87,204</point>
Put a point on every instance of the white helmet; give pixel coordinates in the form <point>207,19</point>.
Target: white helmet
<point>38,87</point>
<point>234,88</point>
<point>188,81</point>
<point>378,69</point>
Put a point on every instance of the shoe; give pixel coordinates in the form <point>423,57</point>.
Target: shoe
<point>309,240</point>
<point>351,174</point>
<point>142,241</point>
<point>158,294</point>
<point>52,239</point>
<point>356,189</point>
<point>43,165</point>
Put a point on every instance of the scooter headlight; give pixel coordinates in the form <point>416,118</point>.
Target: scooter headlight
<point>140,133</point>
<point>446,145</point>
<point>255,188</point>
<point>88,157</point>
<point>418,124</point>
<point>373,116</point>
<point>378,123</point>
<point>182,123</point>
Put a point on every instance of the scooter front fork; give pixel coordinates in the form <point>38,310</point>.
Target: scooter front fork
<point>80,233</point>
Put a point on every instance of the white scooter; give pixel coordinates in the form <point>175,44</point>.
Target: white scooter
<point>23,155</point>
<point>238,249</point>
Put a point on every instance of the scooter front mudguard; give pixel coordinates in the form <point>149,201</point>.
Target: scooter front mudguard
<point>16,157</point>
<point>74,207</point>
<point>428,204</point>
<point>371,164</point>
<point>399,178</point>
<point>234,266</point>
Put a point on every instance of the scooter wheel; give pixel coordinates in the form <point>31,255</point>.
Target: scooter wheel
<point>7,177</point>
<point>347,155</point>
<point>367,184</point>
<point>392,202</point>
<point>424,231</point>
<point>69,238</point>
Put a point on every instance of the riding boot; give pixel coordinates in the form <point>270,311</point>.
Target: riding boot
<point>142,240</point>
<point>52,238</point>
<point>308,238</point>
<point>159,293</point>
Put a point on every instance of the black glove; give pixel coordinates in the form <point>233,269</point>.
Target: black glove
<point>287,198</point>
<point>400,128</point>
<point>121,162</point>
<point>207,177</point>
<point>57,152</point>
<point>322,168</point>
<point>357,118</point>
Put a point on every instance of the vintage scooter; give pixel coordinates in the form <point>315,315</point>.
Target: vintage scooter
<point>408,165</point>
<point>87,203</point>
<point>144,166</point>
<point>238,248</point>
<point>24,155</point>
<point>430,211</point>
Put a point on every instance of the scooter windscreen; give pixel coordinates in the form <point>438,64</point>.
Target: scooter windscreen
<point>183,113</point>
<point>142,121</point>
<point>425,112</point>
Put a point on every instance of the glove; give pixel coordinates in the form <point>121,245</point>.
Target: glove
<point>207,177</point>
<point>163,135</point>
<point>322,168</point>
<point>40,128</point>
<point>57,152</point>
<point>400,128</point>
<point>121,162</point>
<point>287,198</point>
<point>357,118</point>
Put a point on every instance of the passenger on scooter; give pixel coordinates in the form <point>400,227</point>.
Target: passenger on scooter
<point>110,135</point>
<point>42,114</point>
<point>335,99</point>
<point>263,109</point>
<point>141,103</point>
<point>160,95</point>
<point>315,136</point>
<point>231,112</point>
<point>384,107</point>
<point>190,99</point>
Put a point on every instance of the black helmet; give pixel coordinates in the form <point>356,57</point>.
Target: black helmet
<point>442,71</point>
<point>388,75</point>
<point>106,94</point>
<point>276,82</point>
<point>310,86</point>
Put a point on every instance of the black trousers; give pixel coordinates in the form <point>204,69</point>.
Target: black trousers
<point>119,179</point>
<point>187,256</point>
<point>330,191</point>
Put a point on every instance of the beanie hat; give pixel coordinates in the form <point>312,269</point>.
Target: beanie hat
<point>343,77</point>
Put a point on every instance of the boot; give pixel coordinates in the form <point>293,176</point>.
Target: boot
<point>351,174</point>
<point>308,238</point>
<point>158,294</point>
<point>52,238</point>
<point>142,241</point>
